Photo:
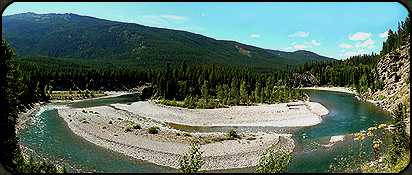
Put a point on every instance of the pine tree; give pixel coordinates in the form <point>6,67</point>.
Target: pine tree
<point>11,83</point>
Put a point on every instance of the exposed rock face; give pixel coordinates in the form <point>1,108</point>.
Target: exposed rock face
<point>243,51</point>
<point>305,79</point>
<point>393,70</point>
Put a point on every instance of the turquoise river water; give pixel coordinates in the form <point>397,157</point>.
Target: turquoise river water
<point>50,137</point>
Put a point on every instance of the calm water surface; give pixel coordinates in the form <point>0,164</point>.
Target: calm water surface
<point>49,136</point>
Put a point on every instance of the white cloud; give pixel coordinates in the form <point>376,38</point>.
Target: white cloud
<point>299,46</point>
<point>293,43</point>
<point>175,18</point>
<point>299,34</point>
<point>359,36</point>
<point>255,36</point>
<point>162,19</point>
<point>358,52</point>
<point>152,19</point>
<point>384,34</point>
<point>342,50</point>
<point>345,45</point>
<point>315,43</point>
<point>203,14</point>
<point>287,48</point>
<point>371,47</point>
<point>366,43</point>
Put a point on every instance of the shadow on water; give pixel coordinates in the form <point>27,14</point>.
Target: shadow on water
<point>129,98</point>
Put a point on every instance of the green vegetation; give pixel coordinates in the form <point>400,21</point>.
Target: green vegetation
<point>210,86</point>
<point>153,130</point>
<point>209,75</point>
<point>98,42</point>
<point>393,161</point>
<point>397,38</point>
<point>274,162</point>
<point>136,126</point>
<point>191,161</point>
<point>301,55</point>
<point>129,128</point>
<point>133,126</point>
<point>232,134</point>
<point>400,141</point>
<point>13,93</point>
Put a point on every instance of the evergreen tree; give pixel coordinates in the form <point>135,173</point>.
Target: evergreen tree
<point>11,83</point>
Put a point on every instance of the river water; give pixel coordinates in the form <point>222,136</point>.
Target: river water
<point>49,136</point>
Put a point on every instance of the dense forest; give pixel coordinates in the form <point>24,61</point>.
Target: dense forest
<point>210,86</point>
<point>12,101</point>
<point>104,43</point>
<point>28,80</point>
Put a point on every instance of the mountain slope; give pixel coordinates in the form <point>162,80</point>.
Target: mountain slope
<point>301,55</point>
<point>108,43</point>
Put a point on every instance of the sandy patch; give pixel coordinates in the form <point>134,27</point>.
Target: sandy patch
<point>167,146</point>
<point>334,89</point>
<point>292,114</point>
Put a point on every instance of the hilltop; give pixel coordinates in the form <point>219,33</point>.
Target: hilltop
<point>105,43</point>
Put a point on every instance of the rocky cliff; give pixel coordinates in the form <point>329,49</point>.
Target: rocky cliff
<point>393,71</point>
<point>305,79</point>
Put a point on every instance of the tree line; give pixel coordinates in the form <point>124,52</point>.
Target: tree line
<point>210,86</point>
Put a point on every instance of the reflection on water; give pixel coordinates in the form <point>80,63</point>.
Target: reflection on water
<point>50,136</point>
<point>105,101</point>
<point>239,129</point>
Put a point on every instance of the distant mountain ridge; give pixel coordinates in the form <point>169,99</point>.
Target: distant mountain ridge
<point>301,55</point>
<point>117,44</point>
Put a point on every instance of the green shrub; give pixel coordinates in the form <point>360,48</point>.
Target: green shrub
<point>110,122</point>
<point>187,134</point>
<point>153,130</point>
<point>128,129</point>
<point>274,162</point>
<point>136,126</point>
<point>251,138</point>
<point>119,118</point>
<point>232,134</point>
<point>85,121</point>
<point>192,161</point>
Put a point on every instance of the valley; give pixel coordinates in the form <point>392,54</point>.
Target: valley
<point>86,94</point>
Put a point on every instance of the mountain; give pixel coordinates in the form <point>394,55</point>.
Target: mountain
<point>105,43</point>
<point>300,55</point>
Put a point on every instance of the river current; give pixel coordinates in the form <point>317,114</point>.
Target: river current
<point>49,136</point>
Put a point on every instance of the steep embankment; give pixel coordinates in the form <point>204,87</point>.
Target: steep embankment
<point>393,71</point>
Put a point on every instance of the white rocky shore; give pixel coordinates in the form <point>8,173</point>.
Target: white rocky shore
<point>334,89</point>
<point>169,144</point>
<point>293,114</point>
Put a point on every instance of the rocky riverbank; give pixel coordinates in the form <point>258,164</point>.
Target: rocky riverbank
<point>106,126</point>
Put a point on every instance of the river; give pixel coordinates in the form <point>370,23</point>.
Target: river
<point>50,137</point>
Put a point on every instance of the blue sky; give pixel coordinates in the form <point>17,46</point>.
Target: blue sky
<point>333,29</point>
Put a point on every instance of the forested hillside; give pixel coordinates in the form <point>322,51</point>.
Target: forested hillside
<point>104,43</point>
<point>301,56</point>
